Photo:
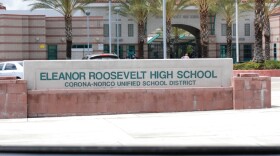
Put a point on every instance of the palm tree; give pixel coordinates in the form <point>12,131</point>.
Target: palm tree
<point>259,18</point>
<point>66,8</point>
<point>204,7</point>
<point>173,7</point>
<point>269,7</point>
<point>139,10</point>
<point>176,33</point>
<point>227,9</point>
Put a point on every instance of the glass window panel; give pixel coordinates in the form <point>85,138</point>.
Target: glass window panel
<point>224,29</point>
<point>106,30</point>
<point>130,30</point>
<point>247,29</point>
<point>234,30</point>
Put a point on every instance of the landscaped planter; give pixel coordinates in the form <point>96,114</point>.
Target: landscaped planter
<point>271,73</point>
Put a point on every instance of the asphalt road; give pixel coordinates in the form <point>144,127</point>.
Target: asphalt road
<point>255,127</point>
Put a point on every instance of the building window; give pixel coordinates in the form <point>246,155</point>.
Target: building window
<point>233,52</point>
<point>247,52</point>
<point>247,29</point>
<point>81,46</point>
<point>119,26</point>
<point>106,48</point>
<point>98,23</point>
<point>275,51</point>
<point>234,30</point>
<point>212,24</point>
<point>130,52</point>
<point>223,51</point>
<point>130,30</point>
<point>224,29</point>
<point>106,30</point>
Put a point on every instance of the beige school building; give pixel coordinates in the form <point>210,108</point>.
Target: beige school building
<point>40,34</point>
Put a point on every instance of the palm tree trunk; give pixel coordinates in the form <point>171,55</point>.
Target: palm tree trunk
<point>229,40</point>
<point>267,37</point>
<point>68,34</point>
<point>175,43</point>
<point>168,38</point>
<point>204,28</point>
<point>259,14</point>
<point>197,51</point>
<point>141,40</point>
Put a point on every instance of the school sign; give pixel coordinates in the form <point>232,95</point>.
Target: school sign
<point>106,74</point>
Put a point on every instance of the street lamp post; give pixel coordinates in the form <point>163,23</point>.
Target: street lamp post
<point>236,30</point>
<point>110,31</point>
<point>117,9</point>
<point>88,14</point>
<point>164,27</point>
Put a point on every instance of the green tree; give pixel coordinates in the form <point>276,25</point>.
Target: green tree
<point>204,8</point>
<point>66,8</point>
<point>173,8</point>
<point>139,10</point>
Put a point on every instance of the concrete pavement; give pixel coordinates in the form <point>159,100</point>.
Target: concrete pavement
<point>275,91</point>
<point>258,127</point>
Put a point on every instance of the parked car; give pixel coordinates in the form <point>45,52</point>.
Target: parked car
<point>12,68</point>
<point>104,56</point>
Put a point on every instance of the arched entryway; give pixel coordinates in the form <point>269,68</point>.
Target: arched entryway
<point>184,39</point>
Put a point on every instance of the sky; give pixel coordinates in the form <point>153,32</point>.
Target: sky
<point>15,4</point>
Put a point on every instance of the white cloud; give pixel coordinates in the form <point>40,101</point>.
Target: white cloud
<point>15,4</point>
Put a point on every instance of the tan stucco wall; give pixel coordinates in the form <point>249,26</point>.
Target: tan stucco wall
<point>21,36</point>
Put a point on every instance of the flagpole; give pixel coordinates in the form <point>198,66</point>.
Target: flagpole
<point>164,28</point>
<point>236,30</point>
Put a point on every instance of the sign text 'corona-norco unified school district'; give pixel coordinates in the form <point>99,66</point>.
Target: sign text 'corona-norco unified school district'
<point>127,74</point>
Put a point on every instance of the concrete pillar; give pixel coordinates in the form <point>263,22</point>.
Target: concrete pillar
<point>250,91</point>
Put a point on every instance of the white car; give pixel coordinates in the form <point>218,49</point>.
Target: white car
<point>104,56</point>
<point>12,68</point>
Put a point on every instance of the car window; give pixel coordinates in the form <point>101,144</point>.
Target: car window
<point>108,58</point>
<point>1,66</point>
<point>10,66</point>
<point>104,57</point>
<point>21,63</point>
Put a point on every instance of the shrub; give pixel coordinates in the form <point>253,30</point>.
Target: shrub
<point>257,66</point>
<point>272,64</point>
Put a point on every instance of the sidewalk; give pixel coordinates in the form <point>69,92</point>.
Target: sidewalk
<point>259,127</point>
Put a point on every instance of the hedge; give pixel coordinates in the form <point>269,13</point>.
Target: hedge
<point>257,66</point>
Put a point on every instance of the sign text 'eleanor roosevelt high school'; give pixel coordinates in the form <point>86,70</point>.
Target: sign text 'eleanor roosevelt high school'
<point>128,74</point>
